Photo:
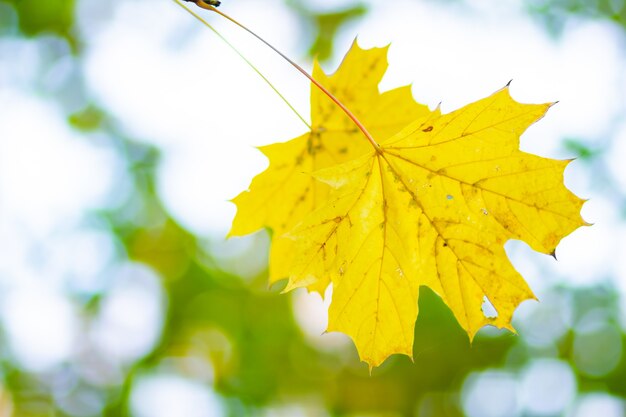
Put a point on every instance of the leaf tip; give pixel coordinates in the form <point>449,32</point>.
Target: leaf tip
<point>264,150</point>
<point>289,287</point>
<point>511,329</point>
<point>233,231</point>
<point>553,254</point>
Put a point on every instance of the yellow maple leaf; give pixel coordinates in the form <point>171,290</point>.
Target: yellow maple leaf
<point>282,195</point>
<point>433,206</point>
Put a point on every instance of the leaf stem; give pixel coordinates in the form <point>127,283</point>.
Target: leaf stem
<point>355,120</point>
<point>246,60</point>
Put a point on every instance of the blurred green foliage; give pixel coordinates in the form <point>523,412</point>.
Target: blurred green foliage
<point>554,13</point>
<point>49,16</point>
<point>324,26</point>
<point>580,149</point>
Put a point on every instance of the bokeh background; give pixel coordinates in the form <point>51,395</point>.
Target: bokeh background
<point>125,128</point>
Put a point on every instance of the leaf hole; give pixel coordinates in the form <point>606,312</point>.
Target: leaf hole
<point>488,309</point>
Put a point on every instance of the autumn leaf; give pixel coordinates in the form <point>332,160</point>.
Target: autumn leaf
<point>433,206</point>
<point>281,196</point>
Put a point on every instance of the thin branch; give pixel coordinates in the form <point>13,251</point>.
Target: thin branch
<point>250,64</point>
<point>357,122</point>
